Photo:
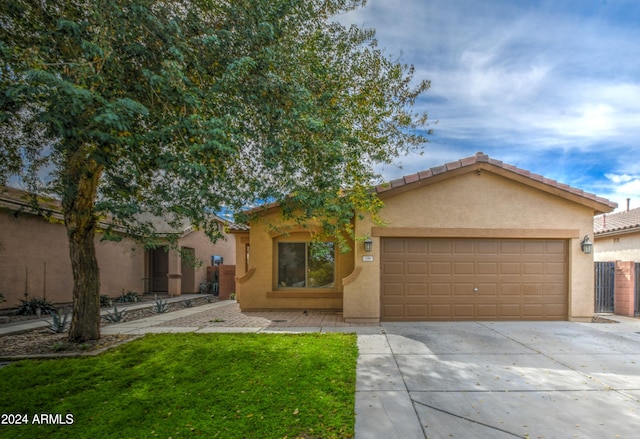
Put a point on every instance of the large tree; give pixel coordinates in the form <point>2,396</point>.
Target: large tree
<point>177,108</point>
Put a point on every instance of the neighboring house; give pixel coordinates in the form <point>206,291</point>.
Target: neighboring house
<point>34,256</point>
<point>617,236</point>
<point>475,239</point>
<point>617,241</point>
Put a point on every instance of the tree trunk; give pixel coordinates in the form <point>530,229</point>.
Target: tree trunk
<point>81,183</point>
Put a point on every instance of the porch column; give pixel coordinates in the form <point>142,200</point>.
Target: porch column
<point>174,273</point>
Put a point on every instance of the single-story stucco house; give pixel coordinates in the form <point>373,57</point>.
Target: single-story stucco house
<point>475,239</point>
<point>34,256</point>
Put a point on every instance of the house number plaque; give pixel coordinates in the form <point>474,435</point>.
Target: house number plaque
<point>367,258</point>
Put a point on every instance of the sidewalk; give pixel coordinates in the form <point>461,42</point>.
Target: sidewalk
<point>43,322</point>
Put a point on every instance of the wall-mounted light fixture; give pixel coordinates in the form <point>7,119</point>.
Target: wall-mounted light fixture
<point>587,245</point>
<point>368,245</point>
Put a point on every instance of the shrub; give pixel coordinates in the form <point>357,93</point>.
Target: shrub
<point>58,323</point>
<point>115,316</point>
<point>105,301</point>
<point>160,306</point>
<point>58,346</point>
<point>130,296</point>
<point>188,303</point>
<point>35,306</point>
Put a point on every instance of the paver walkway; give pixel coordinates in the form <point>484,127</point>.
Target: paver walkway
<point>226,317</point>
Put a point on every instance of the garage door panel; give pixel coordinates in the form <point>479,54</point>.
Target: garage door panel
<point>510,247</point>
<point>469,279</point>
<point>414,311</point>
<point>440,289</point>
<point>463,290</point>
<point>440,246</point>
<point>416,268</point>
<point>510,268</point>
<point>487,311</point>
<point>487,268</point>
<point>532,310</point>
<point>440,311</point>
<point>436,268</point>
<point>533,247</point>
<point>558,268</point>
<point>393,311</point>
<point>555,247</point>
<point>463,268</point>
<point>487,290</point>
<point>417,247</point>
<point>463,247</point>
<point>507,289</point>
<point>391,268</point>
<point>533,268</point>
<point>463,311</point>
<point>417,289</point>
<point>391,246</point>
<point>510,311</point>
<point>487,247</point>
<point>393,288</point>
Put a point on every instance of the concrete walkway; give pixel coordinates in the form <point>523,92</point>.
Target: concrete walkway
<point>463,379</point>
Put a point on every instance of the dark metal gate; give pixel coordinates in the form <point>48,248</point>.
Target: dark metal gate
<point>637,288</point>
<point>605,282</point>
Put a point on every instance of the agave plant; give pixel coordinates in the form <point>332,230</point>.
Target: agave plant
<point>115,316</point>
<point>59,322</point>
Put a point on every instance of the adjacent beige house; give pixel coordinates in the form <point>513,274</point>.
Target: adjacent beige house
<point>617,236</point>
<point>475,239</point>
<point>34,257</point>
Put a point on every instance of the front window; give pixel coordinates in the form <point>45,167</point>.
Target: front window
<point>306,264</point>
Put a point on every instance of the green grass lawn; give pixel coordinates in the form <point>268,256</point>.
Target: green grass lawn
<point>191,385</point>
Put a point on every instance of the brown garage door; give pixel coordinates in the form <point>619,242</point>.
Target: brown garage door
<point>473,279</point>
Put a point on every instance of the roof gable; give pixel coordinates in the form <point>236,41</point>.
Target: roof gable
<point>482,162</point>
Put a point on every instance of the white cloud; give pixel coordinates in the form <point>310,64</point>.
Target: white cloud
<point>548,86</point>
<point>624,178</point>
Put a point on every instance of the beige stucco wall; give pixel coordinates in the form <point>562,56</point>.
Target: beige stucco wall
<point>472,205</point>
<point>622,247</point>
<point>28,243</point>
<point>204,249</point>
<point>256,287</point>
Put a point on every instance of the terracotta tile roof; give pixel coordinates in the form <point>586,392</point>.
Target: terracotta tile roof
<point>236,227</point>
<point>482,160</point>
<point>18,199</point>
<point>617,222</point>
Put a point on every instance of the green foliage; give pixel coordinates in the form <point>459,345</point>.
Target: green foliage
<point>143,108</point>
<point>160,306</point>
<point>264,386</point>
<point>129,296</point>
<point>115,316</point>
<point>219,95</point>
<point>105,301</point>
<point>188,303</point>
<point>58,346</point>
<point>59,322</point>
<point>32,306</point>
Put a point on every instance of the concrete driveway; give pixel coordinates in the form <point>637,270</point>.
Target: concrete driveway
<point>500,380</point>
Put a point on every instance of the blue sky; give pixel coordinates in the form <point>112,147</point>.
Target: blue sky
<point>549,86</point>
